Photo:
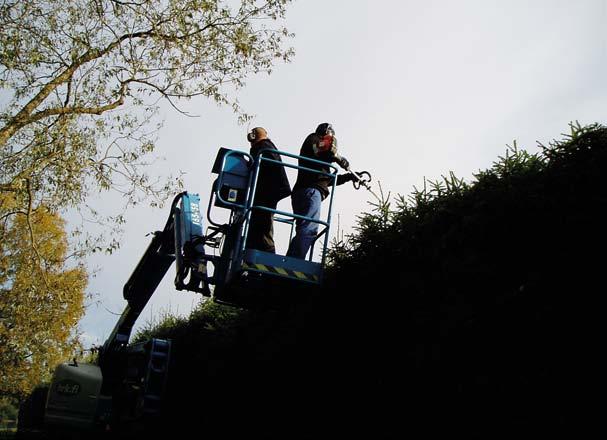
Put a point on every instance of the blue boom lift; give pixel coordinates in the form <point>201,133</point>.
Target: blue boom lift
<point>125,387</point>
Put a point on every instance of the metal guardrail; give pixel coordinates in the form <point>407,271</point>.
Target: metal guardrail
<point>289,215</point>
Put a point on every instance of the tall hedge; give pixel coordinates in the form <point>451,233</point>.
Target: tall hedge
<point>466,308</point>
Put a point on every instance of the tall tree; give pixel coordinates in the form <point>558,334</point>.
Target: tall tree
<point>41,300</point>
<point>80,81</point>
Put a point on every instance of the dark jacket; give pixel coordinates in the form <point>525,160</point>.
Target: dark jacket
<point>272,182</point>
<point>307,179</point>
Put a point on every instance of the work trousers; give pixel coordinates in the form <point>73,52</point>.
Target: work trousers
<point>305,202</point>
<point>261,229</point>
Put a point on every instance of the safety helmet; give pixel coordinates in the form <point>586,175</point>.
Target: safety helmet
<point>324,129</point>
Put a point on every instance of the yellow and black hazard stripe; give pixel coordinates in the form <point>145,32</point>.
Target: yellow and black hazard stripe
<point>280,271</point>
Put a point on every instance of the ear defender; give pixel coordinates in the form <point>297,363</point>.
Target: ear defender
<point>252,135</point>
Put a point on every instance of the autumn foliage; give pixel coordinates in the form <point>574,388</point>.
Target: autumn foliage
<point>41,300</point>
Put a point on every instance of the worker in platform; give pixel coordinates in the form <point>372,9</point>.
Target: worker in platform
<point>272,186</point>
<point>312,188</point>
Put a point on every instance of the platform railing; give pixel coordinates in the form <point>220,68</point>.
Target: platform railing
<point>289,215</point>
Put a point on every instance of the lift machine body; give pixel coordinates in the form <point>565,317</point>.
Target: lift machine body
<point>124,389</point>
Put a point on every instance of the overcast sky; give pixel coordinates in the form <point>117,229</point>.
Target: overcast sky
<point>413,89</point>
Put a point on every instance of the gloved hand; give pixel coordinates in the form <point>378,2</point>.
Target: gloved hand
<point>343,178</point>
<point>342,162</point>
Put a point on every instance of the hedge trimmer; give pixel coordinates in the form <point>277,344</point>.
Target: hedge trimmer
<point>362,178</point>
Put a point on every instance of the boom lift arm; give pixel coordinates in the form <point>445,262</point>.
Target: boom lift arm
<point>181,241</point>
<point>127,384</point>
